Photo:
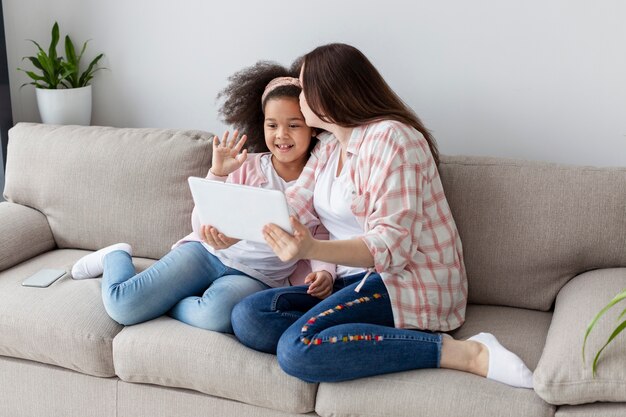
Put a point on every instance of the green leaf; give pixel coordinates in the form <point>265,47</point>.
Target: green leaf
<point>52,51</point>
<point>89,71</point>
<point>33,75</point>
<point>70,53</point>
<point>34,61</point>
<point>619,297</point>
<point>37,85</point>
<point>85,78</point>
<point>74,60</point>
<point>37,45</point>
<point>617,331</point>
<point>46,63</point>
<point>82,51</point>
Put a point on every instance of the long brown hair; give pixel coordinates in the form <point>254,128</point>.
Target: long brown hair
<point>343,87</point>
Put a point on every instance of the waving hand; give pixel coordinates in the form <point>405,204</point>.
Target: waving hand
<point>226,154</point>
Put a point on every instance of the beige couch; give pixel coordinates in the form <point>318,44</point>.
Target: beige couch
<point>545,249</point>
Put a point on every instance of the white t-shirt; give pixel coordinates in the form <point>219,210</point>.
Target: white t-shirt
<point>257,259</point>
<point>332,199</point>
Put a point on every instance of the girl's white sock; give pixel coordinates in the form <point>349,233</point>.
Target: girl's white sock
<point>504,365</point>
<point>90,266</point>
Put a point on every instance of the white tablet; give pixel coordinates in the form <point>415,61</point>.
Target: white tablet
<point>239,211</point>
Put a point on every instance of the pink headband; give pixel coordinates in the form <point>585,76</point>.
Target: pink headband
<point>279,82</point>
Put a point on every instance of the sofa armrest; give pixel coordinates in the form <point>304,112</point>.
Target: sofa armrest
<point>561,377</point>
<point>24,233</point>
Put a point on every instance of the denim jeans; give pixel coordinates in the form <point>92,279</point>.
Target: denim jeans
<point>189,283</point>
<point>348,335</point>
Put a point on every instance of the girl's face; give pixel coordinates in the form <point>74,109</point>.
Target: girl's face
<point>286,134</point>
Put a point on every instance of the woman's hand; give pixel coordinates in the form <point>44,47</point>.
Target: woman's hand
<point>212,237</point>
<point>289,247</point>
<point>321,284</point>
<point>226,156</point>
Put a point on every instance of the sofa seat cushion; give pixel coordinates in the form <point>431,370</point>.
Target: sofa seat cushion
<point>151,401</point>
<point>561,376</point>
<point>447,393</point>
<point>592,410</point>
<point>170,353</point>
<point>64,324</point>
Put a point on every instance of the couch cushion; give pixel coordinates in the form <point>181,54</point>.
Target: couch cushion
<point>25,233</point>
<point>446,393</point>
<point>149,400</point>
<point>169,353</point>
<point>528,225</point>
<point>103,185</point>
<point>31,389</point>
<point>592,410</point>
<point>64,324</point>
<point>561,377</point>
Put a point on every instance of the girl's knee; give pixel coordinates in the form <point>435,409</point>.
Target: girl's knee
<point>121,315</point>
<point>120,310</point>
<point>207,316</point>
<point>220,324</point>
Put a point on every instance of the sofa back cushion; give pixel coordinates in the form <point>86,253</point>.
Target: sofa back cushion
<point>529,227</point>
<point>101,185</point>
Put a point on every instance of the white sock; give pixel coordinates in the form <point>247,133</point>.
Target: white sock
<point>504,365</point>
<point>90,266</point>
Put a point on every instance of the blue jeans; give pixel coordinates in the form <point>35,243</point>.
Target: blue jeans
<point>189,283</point>
<point>348,335</point>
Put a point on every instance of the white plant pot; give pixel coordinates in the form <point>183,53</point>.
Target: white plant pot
<point>67,106</point>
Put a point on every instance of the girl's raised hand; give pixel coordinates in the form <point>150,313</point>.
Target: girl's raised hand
<point>288,247</point>
<point>212,237</point>
<point>226,156</point>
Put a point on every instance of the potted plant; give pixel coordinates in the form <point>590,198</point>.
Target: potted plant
<point>618,329</point>
<point>63,91</point>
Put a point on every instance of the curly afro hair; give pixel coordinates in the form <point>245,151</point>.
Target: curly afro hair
<point>242,107</point>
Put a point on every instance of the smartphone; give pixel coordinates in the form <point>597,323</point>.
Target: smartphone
<point>43,278</point>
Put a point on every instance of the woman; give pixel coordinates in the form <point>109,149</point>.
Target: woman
<point>373,183</point>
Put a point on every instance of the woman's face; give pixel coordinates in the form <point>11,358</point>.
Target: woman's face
<point>311,118</point>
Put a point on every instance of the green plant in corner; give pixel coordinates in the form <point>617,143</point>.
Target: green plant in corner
<point>53,71</point>
<point>620,327</point>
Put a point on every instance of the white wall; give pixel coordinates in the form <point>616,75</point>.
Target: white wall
<point>533,79</point>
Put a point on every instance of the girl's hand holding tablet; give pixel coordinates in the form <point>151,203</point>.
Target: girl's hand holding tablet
<point>212,237</point>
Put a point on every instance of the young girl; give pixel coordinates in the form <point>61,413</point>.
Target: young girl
<point>375,185</point>
<point>263,99</point>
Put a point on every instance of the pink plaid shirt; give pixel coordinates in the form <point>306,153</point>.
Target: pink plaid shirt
<point>408,227</point>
